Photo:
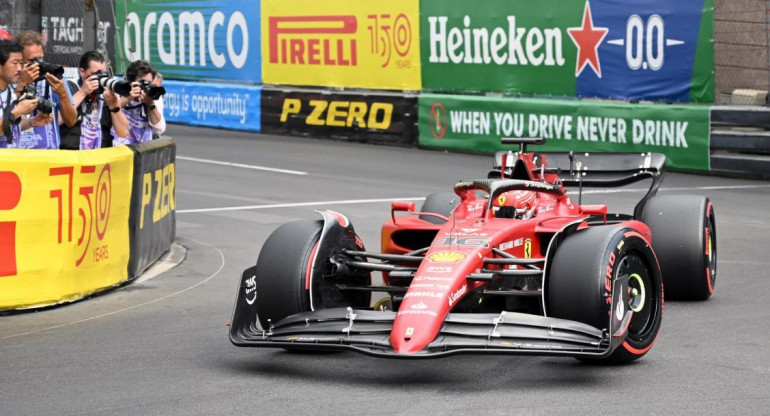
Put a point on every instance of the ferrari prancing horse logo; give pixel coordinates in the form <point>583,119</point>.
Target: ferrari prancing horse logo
<point>528,249</point>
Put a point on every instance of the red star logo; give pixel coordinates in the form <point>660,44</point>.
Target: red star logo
<point>587,39</point>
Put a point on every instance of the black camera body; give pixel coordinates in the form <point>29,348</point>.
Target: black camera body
<point>121,88</point>
<point>153,91</point>
<point>44,105</point>
<point>47,68</point>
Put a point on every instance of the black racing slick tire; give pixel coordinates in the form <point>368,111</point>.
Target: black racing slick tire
<point>684,238</point>
<point>282,270</point>
<point>442,203</point>
<point>581,272</point>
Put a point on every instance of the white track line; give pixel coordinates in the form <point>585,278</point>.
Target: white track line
<point>241,165</point>
<point>296,204</point>
<point>367,201</point>
<point>221,266</point>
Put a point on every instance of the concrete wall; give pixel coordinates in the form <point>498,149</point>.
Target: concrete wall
<point>741,45</point>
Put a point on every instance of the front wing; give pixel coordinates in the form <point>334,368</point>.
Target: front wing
<point>368,331</point>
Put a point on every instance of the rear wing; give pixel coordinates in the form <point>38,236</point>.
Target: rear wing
<point>591,170</point>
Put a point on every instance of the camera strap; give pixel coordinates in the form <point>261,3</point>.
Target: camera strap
<point>7,117</point>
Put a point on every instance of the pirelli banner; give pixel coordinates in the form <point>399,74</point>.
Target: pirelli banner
<point>342,43</point>
<point>476,124</point>
<point>367,117</point>
<point>152,223</point>
<point>63,224</point>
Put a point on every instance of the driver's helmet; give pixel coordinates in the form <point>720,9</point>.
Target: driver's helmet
<point>520,200</point>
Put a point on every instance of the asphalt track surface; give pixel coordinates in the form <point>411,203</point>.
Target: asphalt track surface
<point>161,347</point>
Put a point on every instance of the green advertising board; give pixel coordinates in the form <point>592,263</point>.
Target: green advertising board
<point>657,50</point>
<point>476,124</point>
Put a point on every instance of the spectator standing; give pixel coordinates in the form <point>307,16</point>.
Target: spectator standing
<point>11,110</point>
<point>144,117</point>
<point>99,119</point>
<point>47,136</point>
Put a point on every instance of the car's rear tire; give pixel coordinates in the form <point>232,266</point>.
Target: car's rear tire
<point>576,285</point>
<point>442,203</point>
<point>684,237</point>
<point>282,269</point>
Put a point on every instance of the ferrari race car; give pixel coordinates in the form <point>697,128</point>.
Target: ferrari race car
<point>508,264</point>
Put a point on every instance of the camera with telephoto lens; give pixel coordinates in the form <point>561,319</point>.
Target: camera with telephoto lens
<point>153,91</point>
<point>44,106</point>
<point>47,68</point>
<point>113,84</point>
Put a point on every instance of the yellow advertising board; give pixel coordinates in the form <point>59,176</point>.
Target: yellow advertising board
<point>342,43</point>
<point>63,223</point>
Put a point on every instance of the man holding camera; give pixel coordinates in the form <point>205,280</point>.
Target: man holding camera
<point>99,118</point>
<point>38,78</point>
<point>11,108</point>
<point>144,116</point>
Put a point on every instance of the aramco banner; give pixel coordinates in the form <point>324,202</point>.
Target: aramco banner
<point>191,39</point>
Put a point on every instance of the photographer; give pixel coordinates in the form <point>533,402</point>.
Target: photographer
<point>39,78</point>
<point>144,117</point>
<point>11,109</point>
<point>99,118</point>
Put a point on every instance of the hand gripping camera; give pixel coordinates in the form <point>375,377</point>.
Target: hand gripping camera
<point>46,68</point>
<point>121,88</point>
<point>44,105</point>
<point>153,91</point>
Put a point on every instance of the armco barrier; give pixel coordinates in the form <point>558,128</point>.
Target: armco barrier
<point>373,117</point>
<point>63,224</point>
<point>740,140</point>
<point>152,223</point>
<point>65,219</point>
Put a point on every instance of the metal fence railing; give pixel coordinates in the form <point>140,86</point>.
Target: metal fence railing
<point>18,15</point>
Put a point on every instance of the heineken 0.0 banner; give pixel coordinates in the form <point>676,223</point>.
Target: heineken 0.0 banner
<point>476,124</point>
<point>659,50</point>
<point>191,39</point>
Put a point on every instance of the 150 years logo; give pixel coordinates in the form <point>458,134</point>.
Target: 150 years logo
<point>90,203</point>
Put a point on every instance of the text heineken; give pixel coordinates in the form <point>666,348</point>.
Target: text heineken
<point>503,46</point>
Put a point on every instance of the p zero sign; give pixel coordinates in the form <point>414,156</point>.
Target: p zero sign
<point>342,43</point>
<point>188,39</point>
<point>375,118</point>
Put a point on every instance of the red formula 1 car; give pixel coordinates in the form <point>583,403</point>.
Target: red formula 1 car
<point>510,264</point>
